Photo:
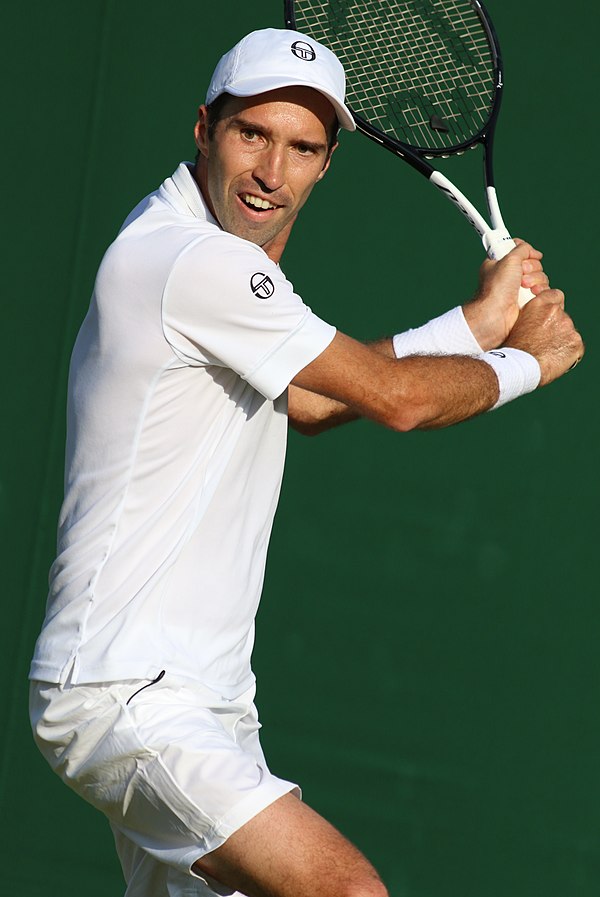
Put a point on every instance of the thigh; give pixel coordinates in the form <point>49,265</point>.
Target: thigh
<point>288,850</point>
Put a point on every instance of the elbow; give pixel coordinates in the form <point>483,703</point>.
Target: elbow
<point>404,423</point>
<point>307,427</point>
<point>406,415</point>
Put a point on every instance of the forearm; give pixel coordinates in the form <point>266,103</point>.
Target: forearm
<point>449,334</point>
<point>423,392</point>
<point>419,392</point>
<point>430,392</point>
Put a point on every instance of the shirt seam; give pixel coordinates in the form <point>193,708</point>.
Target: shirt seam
<point>119,511</point>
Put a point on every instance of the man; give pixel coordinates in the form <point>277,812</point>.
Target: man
<point>194,352</point>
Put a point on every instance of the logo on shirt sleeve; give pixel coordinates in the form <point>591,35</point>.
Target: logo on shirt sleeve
<point>261,285</point>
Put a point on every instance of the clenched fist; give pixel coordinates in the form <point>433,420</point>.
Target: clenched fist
<point>546,331</point>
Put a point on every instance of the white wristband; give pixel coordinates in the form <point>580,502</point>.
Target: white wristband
<point>447,335</point>
<point>518,372</point>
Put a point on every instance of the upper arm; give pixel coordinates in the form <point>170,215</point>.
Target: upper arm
<point>310,413</point>
<point>225,303</point>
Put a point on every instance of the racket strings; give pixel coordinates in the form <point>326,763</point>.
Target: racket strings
<point>421,71</point>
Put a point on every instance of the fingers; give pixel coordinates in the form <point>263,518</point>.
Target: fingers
<point>547,297</point>
<point>552,297</point>
<point>527,260</point>
<point>526,250</point>
<point>496,305</point>
<point>534,277</point>
<point>546,331</point>
<point>543,328</point>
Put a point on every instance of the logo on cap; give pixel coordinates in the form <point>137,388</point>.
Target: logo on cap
<point>262,285</point>
<point>303,51</point>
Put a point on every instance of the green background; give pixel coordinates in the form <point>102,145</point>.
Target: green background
<point>427,643</point>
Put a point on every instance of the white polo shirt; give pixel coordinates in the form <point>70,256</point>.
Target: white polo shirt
<point>176,434</point>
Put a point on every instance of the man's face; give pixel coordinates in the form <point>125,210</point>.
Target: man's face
<point>265,156</point>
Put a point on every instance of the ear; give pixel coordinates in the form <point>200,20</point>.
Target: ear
<point>327,162</point>
<point>201,131</point>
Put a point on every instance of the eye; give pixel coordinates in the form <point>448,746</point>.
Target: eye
<point>250,134</point>
<point>304,150</point>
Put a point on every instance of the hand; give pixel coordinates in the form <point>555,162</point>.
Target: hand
<point>546,331</point>
<point>493,311</point>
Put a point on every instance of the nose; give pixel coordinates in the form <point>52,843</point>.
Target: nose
<point>269,169</point>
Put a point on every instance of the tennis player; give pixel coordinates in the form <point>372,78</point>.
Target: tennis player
<point>195,353</point>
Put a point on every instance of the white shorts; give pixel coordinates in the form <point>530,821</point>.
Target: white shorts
<point>175,767</point>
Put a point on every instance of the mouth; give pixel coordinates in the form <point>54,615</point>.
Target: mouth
<point>256,204</point>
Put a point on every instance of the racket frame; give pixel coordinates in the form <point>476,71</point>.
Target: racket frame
<point>496,239</point>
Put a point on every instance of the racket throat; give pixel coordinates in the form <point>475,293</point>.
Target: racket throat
<point>496,239</point>
<point>460,201</point>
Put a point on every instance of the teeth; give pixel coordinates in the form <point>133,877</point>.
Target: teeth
<point>257,202</point>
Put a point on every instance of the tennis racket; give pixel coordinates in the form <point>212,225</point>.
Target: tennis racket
<point>424,80</point>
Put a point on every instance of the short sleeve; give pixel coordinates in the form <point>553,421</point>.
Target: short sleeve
<point>225,302</point>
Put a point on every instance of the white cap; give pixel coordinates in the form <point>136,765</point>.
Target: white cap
<point>272,58</point>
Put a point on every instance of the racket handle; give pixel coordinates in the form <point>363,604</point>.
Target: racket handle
<point>499,243</point>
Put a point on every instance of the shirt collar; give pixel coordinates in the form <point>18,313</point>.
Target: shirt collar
<point>184,181</point>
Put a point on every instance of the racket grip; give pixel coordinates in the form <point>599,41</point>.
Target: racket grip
<point>499,243</point>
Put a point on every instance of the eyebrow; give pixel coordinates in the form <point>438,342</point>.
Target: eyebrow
<point>240,122</point>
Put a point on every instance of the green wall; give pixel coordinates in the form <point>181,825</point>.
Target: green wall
<point>426,646</point>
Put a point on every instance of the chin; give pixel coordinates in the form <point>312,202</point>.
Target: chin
<point>255,235</point>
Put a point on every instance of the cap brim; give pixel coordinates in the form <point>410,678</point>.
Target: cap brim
<point>256,86</point>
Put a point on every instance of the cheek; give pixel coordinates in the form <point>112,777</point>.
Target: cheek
<point>219,180</point>
<point>234,158</point>
<point>304,178</point>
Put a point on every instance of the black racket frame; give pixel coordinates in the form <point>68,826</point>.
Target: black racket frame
<point>417,156</point>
